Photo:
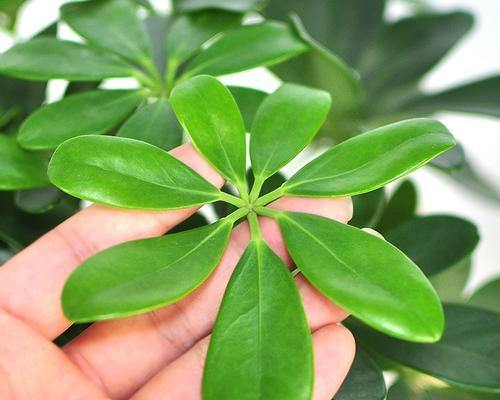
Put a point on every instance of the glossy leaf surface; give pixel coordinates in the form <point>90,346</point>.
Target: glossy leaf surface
<point>155,123</point>
<point>143,275</point>
<point>261,344</point>
<point>248,47</point>
<point>230,5</point>
<point>466,356</point>
<point>284,125</point>
<point>50,58</point>
<point>208,112</point>
<point>92,112</point>
<point>364,275</point>
<point>20,169</point>
<point>248,100</point>
<point>435,242</point>
<point>127,173</point>
<point>487,296</point>
<point>110,25</point>
<point>371,160</point>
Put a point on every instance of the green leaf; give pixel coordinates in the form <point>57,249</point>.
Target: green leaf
<point>284,125</point>
<point>401,206</point>
<point>111,25</point>
<point>450,283</point>
<point>157,26</point>
<point>127,173</point>
<point>261,343</point>
<point>48,58</point>
<point>92,112</point>
<point>272,183</point>
<point>371,160</point>
<point>39,200</point>
<point>413,45</point>
<point>467,356</point>
<point>248,47</point>
<point>364,380</point>
<point>208,112</point>
<point>190,31</point>
<point>364,275</point>
<point>248,100</point>
<point>118,282</point>
<point>368,208</point>
<point>487,296</point>
<point>155,123</point>
<point>435,242</point>
<point>20,169</point>
<point>229,5</point>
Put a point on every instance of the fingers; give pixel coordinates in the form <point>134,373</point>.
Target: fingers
<point>151,341</point>
<point>31,283</point>
<point>333,355</point>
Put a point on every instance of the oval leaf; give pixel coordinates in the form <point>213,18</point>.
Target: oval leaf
<point>20,169</point>
<point>401,207</point>
<point>466,356</point>
<point>248,47</point>
<point>143,275</point>
<point>488,296</point>
<point>260,321</point>
<point>156,124</point>
<point>110,25</point>
<point>127,173</point>
<point>284,125</point>
<point>365,275</point>
<point>248,100</point>
<point>39,200</point>
<point>371,160</point>
<point>96,112</point>
<point>208,112</point>
<point>48,58</point>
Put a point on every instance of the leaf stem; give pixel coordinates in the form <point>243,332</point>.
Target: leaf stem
<point>236,215</point>
<point>267,212</point>
<point>267,198</point>
<point>254,226</point>
<point>172,67</point>
<point>256,188</point>
<point>229,198</point>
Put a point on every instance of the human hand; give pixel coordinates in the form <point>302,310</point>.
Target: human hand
<point>157,355</point>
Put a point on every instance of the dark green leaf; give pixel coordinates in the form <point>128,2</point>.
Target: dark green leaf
<point>371,160</point>
<point>127,173</point>
<point>272,183</point>
<point>190,31</point>
<point>467,355</point>
<point>208,112</point>
<point>20,169</point>
<point>93,112</point>
<point>78,87</point>
<point>48,58</point>
<point>368,208</point>
<point>487,296</point>
<point>229,5</point>
<point>156,124</point>
<point>261,343</point>
<point>450,283</point>
<point>364,275</point>
<point>248,47</point>
<point>196,220</point>
<point>38,200</point>
<point>143,275</point>
<point>364,381</point>
<point>157,26</point>
<point>111,25</point>
<point>221,208</point>
<point>436,242</point>
<point>248,101</point>
<point>401,206</point>
<point>413,45</point>
<point>284,125</point>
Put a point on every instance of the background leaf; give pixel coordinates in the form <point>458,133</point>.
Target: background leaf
<point>487,296</point>
<point>230,5</point>
<point>248,100</point>
<point>39,200</point>
<point>401,206</point>
<point>368,208</point>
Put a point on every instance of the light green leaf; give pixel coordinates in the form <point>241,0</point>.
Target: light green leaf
<point>367,208</point>
<point>248,47</point>
<point>111,25</point>
<point>248,100</point>
<point>401,206</point>
<point>143,275</point>
<point>371,160</point>
<point>261,343</point>
<point>190,31</point>
<point>48,58</point>
<point>92,112</point>
<point>284,125</point>
<point>20,169</point>
<point>364,275</point>
<point>364,380</point>
<point>435,242</point>
<point>487,296</point>
<point>208,112</point>
<point>229,5</point>
<point>127,173</point>
<point>467,356</point>
<point>156,124</point>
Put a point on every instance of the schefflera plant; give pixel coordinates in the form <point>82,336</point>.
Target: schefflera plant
<point>261,342</point>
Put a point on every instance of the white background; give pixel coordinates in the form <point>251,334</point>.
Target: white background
<point>478,55</point>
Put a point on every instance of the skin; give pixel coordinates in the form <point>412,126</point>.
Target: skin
<point>158,355</point>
